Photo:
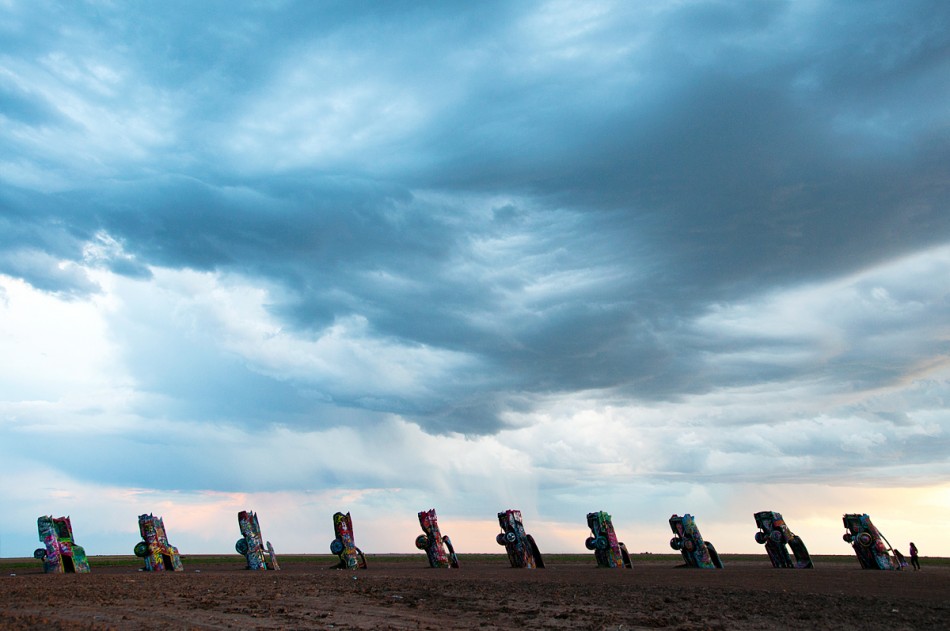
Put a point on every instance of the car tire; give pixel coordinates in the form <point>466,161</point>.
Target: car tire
<point>511,537</point>
<point>39,553</point>
<point>422,542</point>
<point>865,539</point>
<point>500,539</point>
<point>241,546</point>
<point>141,549</point>
<point>777,537</point>
<point>589,543</point>
<point>761,537</point>
<point>336,547</point>
<point>676,543</point>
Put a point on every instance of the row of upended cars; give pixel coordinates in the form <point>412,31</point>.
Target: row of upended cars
<point>784,548</point>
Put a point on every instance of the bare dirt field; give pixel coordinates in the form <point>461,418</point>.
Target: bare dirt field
<point>400,592</point>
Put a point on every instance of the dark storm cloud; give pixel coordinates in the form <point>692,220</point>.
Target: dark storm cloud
<point>644,163</point>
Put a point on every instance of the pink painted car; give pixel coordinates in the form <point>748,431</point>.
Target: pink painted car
<point>60,554</point>
<point>438,547</point>
<point>154,549</point>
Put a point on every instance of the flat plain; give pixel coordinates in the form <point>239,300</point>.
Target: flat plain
<point>402,592</point>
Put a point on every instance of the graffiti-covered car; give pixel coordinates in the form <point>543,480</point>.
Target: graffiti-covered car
<point>438,547</point>
<point>777,538</point>
<point>251,544</point>
<point>154,549</point>
<point>344,545</point>
<point>873,550</point>
<point>603,541</point>
<point>59,554</point>
<point>520,546</point>
<point>690,543</point>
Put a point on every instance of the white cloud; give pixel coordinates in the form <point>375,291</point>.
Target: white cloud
<point>321,110</point>
<point>346,359</point>
<point>60,359</point>
<point>885,323</point>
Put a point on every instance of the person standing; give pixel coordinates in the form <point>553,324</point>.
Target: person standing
<point>913,556</point>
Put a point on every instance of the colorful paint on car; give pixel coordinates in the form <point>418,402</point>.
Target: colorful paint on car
<point>873,550</point>
<point>438,547</point>
<point>603,541</point>
<point>251,546</point>
<point>690,543</point>
<point>344,545</point>
<point>522,551</point>
<point>154,549</point>
<point>775,535</point>
<point>60,554</point>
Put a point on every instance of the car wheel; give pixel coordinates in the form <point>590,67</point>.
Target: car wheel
<point>761,537</point>
<point>865,539</point>
<point>776,536</point>
<point>676,543</point>
<point>336,547</point>
<point>601,543</point>
<point>589,543</point>
<point>141,549</point>
<point>511,537</point>
<point>422,542</point>
<point>500,539</point>
<point>848,537</point>
<point>241,546</point>
<point>39,553</point>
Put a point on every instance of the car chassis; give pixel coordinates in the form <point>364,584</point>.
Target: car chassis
<point>344,545</point>
<point>522,550</point>
<point>251,547</point>
<point>607,550</point>
<point>873,550</point>
<point>438,547</point>
<point>154,549</point>
<point>61,554</point>
<point>774,533</point>
<point>690,543</point>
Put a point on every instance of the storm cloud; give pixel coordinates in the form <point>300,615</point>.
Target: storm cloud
<point>481,223</point>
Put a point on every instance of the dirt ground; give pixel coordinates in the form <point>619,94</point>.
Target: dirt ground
<point>484,594</point>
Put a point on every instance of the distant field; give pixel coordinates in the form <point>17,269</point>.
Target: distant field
<point>326,560</point>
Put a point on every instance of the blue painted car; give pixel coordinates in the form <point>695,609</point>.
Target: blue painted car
<point>696,551</point>
<point>777,538</point>
<point>873,550</point>
<point>251,544</point>
<point>603,541</point>
<point>522,551</point>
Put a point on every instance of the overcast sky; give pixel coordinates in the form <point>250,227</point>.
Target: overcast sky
<point>642,257</point>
